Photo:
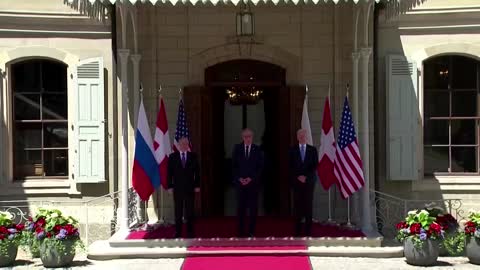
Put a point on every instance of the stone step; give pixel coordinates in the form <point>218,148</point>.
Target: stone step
<point>371,240</point>
<point>102,250</point>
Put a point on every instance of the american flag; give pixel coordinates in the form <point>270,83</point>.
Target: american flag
<point>348,163</point>
<point>182,129</point>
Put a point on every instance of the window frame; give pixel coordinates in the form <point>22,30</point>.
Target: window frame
<point>450,90</point>
<point>40,93</point>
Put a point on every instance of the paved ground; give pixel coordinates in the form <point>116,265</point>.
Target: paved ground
<point>318,263</point>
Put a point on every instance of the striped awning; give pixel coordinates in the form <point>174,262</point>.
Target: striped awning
<point>235,2</point>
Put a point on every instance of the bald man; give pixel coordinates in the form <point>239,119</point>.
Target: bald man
<point>303,161</point>
<point>247,159</point>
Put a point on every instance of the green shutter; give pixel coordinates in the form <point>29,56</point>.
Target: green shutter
<point>89,124</point>
<point>403,119</point>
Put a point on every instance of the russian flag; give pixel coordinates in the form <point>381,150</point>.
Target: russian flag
<point>145,175</point>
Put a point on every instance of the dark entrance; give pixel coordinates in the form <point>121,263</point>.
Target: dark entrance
<point>282,107</point>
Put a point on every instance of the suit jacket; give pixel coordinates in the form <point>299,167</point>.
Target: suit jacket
<point>243,167</point>
<point>180,178</point>
<point>308,167</point>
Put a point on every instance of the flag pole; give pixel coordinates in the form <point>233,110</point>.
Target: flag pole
<point>138,204</point>
<point>330,220</point>
<point>162,218</point>
<point>349,224</point>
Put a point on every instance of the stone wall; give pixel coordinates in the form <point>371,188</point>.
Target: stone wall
<point>313,42</point>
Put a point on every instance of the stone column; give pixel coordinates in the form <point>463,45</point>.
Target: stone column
<point>136,85</point>
<point>123,56</point>
<point>3,151</point>
<point>136,103</point>
<point>365,142</point>
<point>356,205</point>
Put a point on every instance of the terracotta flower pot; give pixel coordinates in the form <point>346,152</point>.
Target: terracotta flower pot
<point>425,255</point>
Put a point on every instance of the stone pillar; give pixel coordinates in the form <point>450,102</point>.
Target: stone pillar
<point>136,85</point>
<point>3,151</point>
<point>123,56</point>
<point>136,103</point>
<point>356,204</point>
<point>365,142</point>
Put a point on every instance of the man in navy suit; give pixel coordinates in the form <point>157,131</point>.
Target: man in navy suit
<point>247,159</point>
<point>184,180</point>
<point>303,164</point>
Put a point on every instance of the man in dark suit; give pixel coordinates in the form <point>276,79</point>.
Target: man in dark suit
<point>247,159</point>
<point>303,164</point>
<point>184,180</point>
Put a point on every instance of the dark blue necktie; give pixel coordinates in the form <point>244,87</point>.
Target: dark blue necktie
<point>184,160</point>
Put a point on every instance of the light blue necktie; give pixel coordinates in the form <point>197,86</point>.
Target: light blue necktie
<point>302,152</point>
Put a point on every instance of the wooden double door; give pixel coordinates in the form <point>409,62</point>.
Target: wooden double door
<point>205,116</point>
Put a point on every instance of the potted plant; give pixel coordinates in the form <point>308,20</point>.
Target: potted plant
<point>420,234</point>
<point>453,240</point>
<point>29,241</point>
<point>472,234</point>
<point>10,236</point>
<point>57,237</point>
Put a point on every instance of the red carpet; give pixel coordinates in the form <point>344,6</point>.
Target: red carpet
<point>247,262</point>
<point>226,227</point>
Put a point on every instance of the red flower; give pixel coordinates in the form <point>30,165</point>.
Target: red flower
<point>69,228</point>
<point>415,228</point>
<point>40,222</point>
<point>2,236</point>
<point>49,235</point>
<point>401,225</point>
<point>30,219</point>
<point>469,230</point>
<point>20,227</point>
<point>435,227</point>
<point>470,224</point>
<point>56,228</point>
<point>3,229</point>
<point>38,230</point>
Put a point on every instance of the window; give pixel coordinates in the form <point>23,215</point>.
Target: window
<point>451,114</point>
<point>40,119</point>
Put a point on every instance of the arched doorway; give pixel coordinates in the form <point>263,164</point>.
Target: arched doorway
<point>217,118</point>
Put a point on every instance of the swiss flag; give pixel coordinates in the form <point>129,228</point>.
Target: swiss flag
<point>161,145</point>
<point>327,150</point>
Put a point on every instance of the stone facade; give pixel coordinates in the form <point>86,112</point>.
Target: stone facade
<point>313,43</point>
<point>431,29</point>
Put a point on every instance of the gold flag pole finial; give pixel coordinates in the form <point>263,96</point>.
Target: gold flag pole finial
<point>160,89</point>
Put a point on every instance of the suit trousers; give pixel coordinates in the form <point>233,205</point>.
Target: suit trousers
<point>247,200</point>
<point>303,207</point>
<point>184,199</point>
